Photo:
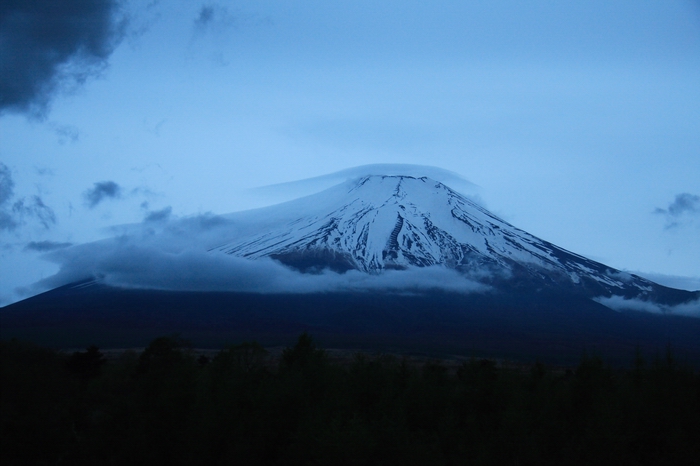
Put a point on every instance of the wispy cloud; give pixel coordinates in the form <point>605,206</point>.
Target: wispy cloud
<point>620,303</point>
<point>7,184</point>
<point>46,44</point>
<point>15,214</point>
<point>214,17</point>
<point>65,133</point>
<point>205,17</point>
<point>214,27</point>
<point>34,207</point>
<point>159,215</point>
<point>7,222</point>
<point>43,171</point>
<point>45,246</point>
<point>672,281</point>
<point>102,191</point>
<point>7,190</point>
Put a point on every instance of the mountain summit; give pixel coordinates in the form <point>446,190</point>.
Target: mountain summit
<point>394,222</point>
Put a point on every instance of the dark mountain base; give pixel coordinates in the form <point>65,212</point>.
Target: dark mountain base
<point>551,327</point>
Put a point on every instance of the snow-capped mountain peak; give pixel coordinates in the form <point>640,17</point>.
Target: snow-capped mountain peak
<point>383,222</point>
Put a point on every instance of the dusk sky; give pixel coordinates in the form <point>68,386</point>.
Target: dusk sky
<point>578,121</point>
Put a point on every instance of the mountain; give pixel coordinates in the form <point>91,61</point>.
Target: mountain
<point>378,223</point>
<point>534,300</point>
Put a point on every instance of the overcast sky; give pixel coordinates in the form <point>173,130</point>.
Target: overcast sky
<point>578,120</point>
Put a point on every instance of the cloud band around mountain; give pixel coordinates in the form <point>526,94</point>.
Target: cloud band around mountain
<point>122,264</point>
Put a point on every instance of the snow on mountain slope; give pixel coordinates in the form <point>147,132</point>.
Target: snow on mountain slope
<point>395,222</point>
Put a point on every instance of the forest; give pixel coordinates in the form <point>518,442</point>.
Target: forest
<point>168,405</point>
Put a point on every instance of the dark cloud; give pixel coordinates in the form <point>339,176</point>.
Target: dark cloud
<point>684,205</point>
<point>45,44</point>
<point>45,246</point>
<point>159,215</point>
<point>101,191</point>
<point>14,214</point>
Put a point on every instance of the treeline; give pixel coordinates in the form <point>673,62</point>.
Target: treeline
<point>167,406</point>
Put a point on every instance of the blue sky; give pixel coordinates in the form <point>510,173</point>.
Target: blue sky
<point>578,120</point>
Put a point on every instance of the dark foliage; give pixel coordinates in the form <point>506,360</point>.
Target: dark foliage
<point>168,406</point>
